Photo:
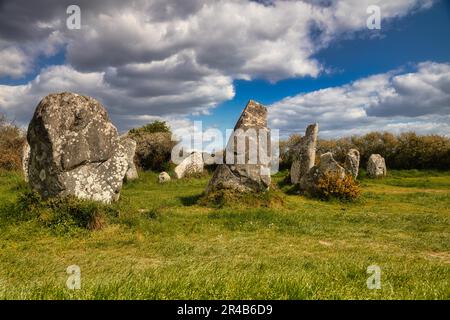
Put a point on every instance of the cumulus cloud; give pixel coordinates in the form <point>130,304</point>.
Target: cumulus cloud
<point>418,101</point>
<point>168,57</point>
<point>126,106</point>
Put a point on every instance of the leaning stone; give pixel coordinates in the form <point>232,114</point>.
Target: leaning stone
<point>130,150</point>
<point>305,153</point>
<point>327,165</point>
<point>351,164</point>
<point>191,165</point>
<point>163,177</point>
<point>242,171</point>
<point>25,160</point>
<point>75,149</point>
<point>376,166</point>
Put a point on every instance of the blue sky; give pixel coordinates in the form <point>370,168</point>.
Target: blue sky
<point>402,43</point>
<point>203,60</point>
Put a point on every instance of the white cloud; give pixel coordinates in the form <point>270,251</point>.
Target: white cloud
<point>169,57</point>
<point>13,62</point>
<point>126,106</point>
<point>417,101</point>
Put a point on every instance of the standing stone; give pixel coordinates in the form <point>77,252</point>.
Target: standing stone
<point>191,165</point>
<point>327,165</point>
<point>376,166</point>
<point>163,177</point>
<point>130,149</point>
<point>25,160</point>
<point>75,149</point>
<point>305,153</point>
<point>352,162</point>
<point>246,168</point>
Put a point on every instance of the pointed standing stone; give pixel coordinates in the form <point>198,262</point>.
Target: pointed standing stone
<point>247,160</point>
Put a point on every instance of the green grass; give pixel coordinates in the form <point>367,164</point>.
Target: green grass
<point>163,245</point>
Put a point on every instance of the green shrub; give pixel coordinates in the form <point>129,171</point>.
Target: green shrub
<point>404,151</point>
<point>63,213</point>
<point>331,185</point>
<point>155,126</point>
<point>153,146</point>
<point>11,145</point>
<point>230,198</point>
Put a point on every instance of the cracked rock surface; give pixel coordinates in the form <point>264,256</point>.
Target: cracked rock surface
<point>75,149</point>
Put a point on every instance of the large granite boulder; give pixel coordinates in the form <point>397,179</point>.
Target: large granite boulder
<point>305,153</point>
<point>75,149</point>
<point>376,166</point>
<point>247,159</point>
<point>351,164</point>
<point>192,164</point>
<point>25,160</point>
<point>327,165</point>
<point>130,149</point>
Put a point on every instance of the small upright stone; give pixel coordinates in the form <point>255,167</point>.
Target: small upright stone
<point>376,166</point>
<point>305,153</point>
<point>247,164</point>
<point>163,177</point>
<point>25,160</point>
<point>130,149</point>
<point>352,162</point>
<point>191,165</point>
<point>75,149</point>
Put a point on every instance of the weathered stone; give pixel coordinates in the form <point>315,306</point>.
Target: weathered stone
<point>246,168</point>
<point>376,166</point>
<point>130,150</point>
<point>191,165</point>
<point>25,160</point>
<point>351,164</point>
<point>75,149</point>
<point>327,165</point>
<point>163,177</point>
<point>305,153</point>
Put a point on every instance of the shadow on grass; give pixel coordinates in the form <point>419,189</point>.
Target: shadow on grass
<point>192,200</point>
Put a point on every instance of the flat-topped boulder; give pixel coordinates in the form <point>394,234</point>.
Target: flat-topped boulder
<point>376,166</point>
<point>75,149</point>
<point>247,159</point>
<point>193,164</point>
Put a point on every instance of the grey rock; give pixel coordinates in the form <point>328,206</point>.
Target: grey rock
<point>327,165</point>
<point>305,153</point>
<point>75,149</point>
<point>351,164</point>
<point>25,160</point>
<point>190,165</point>
<point>244,172</point>
<point>376,166</point>
<point>163,177</point>
<point>130,150</point>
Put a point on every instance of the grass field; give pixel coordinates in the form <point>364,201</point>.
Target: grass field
<point>163,245</point>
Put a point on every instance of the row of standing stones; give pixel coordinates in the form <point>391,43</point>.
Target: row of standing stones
<point>306,173</point>
<point>74,149</point>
